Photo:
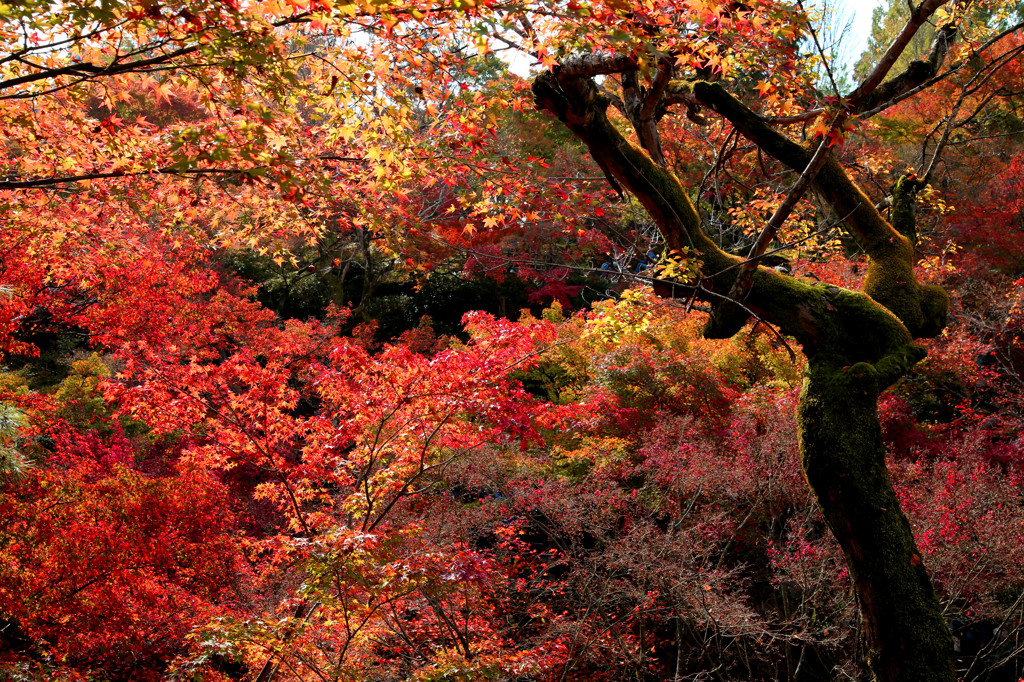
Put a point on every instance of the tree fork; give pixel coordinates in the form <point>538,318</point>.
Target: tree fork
<point>890,276</point>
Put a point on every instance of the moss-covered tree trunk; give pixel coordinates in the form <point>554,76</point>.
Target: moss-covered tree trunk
<point>844,461</point>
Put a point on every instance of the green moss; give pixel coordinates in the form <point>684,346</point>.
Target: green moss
<point>844,462</point>
<point>935,309</point>
<point>904,204</point>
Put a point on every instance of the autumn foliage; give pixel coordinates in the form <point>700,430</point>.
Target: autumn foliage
<point>326,356</point>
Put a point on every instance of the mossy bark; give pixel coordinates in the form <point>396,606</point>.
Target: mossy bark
<point>844,462</point>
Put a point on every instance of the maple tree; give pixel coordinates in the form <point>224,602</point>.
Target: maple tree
<point>263,470</point>
<point>857,344</point>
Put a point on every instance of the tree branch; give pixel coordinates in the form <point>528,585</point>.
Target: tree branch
<point>88,69</point>
<point>798,308</point>
<point>728,318</point>
<point>871,90</point>
<point>863,221</point>
<point>595,64</point>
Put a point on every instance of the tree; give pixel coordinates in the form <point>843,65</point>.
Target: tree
<point>857,343</point>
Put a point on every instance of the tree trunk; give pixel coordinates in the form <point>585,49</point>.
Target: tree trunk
<point>844,462</point>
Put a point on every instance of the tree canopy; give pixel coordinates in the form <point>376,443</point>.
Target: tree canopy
<point>333,349</point>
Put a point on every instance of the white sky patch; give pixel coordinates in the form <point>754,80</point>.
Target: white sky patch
<point>861,12</point>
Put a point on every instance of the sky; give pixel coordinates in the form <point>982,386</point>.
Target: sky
<point>860,12</point>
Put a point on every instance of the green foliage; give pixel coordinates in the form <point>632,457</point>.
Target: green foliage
<point>12,420</point>
<point>394,300</point>
<point>445,297</point>
<point>548,381</point>
<point>51,365</point>
<point>80,397</point>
